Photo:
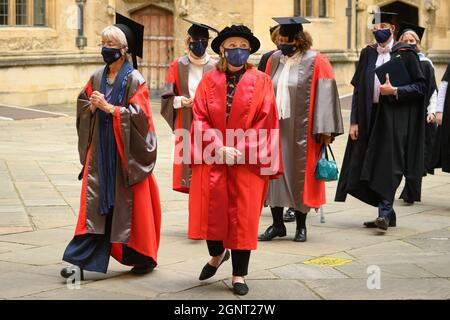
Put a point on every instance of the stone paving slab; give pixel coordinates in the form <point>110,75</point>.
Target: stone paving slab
<point>300,271</point>
<point>277,289</point>
<point>18,284</point>
<point>39,201</point>
<point>81,294</point>
<point>397,271</point>
<point>391,289</point>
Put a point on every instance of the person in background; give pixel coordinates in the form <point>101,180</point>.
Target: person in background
<point>387,127</point>
<point>183,77</point>
<point>310,117</point>
<point>412,35</point>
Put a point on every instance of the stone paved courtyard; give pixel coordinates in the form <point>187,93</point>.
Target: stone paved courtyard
<point>39,200</point>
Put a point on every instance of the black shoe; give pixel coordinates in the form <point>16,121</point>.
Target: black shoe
<point>140,270</point>
<point>272,232</point>
<point>382,223</point>
<point>300,235</point>
<point>289,215</point>
<point>240,288</point>
<point>208,270</point>
<point>409,202</point>
<point>371,224</point>
<point>67,272</point>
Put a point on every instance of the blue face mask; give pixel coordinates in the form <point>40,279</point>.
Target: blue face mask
<point>111,55</point>
<point>382,35</point>
<point>198,48</point>
<point>287,49</point>
<point>237,57</point>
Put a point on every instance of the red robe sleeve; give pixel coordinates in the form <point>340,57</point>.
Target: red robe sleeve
<point>171,90</point>
<point>203,133</point>
<point>265,119</point>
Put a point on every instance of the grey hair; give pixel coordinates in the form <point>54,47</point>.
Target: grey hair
<point>113,33</point>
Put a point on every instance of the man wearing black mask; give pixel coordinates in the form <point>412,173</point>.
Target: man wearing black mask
<point>386,125</point>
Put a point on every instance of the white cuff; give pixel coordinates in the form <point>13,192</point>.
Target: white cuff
<point>433,101</point>
<point>177,102</point>
<point>441,96</point>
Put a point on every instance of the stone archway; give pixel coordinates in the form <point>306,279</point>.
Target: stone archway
<point>406,12</point>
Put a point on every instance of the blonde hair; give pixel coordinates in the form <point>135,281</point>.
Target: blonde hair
<point>275,34</point>
<point>415,36</point>
<point>114,34</point>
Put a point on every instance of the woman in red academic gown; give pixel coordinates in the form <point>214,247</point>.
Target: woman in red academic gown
<point>230,175</point>
<point>120,212</point>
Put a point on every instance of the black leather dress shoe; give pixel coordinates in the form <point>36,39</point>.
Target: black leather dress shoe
<point>300,235</point>
<point>382,223</point>
<point>289,215</point>
<point>371,224</point>
<point>67,272</point>
<point>142,269</point>
<point>272,232</point>
<point>208,270</point>
<point>240,288</point>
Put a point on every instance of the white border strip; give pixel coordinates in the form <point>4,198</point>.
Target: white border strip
<point>6,118</point>
<point>35,110</point>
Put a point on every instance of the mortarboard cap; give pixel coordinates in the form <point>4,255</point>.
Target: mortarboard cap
<point>383,17</point>
<point>199,30</point>
<point>290,26</point>
<point>134,32</point>
<point>406,26</point>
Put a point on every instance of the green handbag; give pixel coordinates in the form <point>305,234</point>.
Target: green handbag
<point>326,170</point>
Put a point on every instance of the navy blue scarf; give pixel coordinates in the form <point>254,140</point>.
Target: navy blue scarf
<point>106,146</point>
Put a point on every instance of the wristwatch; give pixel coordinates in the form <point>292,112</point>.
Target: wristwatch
<point>112,110</point>
<point>396,92</point>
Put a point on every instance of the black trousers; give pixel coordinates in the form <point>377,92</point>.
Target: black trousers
<point>91,252</point>
<point>239,258</point>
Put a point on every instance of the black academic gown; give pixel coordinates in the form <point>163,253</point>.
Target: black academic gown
<point>263,62</point>
<point>430,128</point>
<point>441,157</point>
<point>387,146</point>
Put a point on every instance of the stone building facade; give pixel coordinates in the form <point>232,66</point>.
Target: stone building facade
<point>49,48</point>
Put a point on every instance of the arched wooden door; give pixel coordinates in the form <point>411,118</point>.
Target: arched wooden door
<point>158,45</point>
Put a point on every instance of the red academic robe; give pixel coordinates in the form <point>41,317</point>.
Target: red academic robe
<point>177,84</point>
<point>321,106</point>
<point>225,202</point>
<point>137,213</point>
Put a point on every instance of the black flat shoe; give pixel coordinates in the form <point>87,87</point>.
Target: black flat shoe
<point>300,235</point>
<point>371,224</point>
<point>382,223</point>
<point>208,270</point>
<point>140,270</point>
<point>271,233</point>
<point>68,272</point>
<point>240,288</point>
<point>289,215</point>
